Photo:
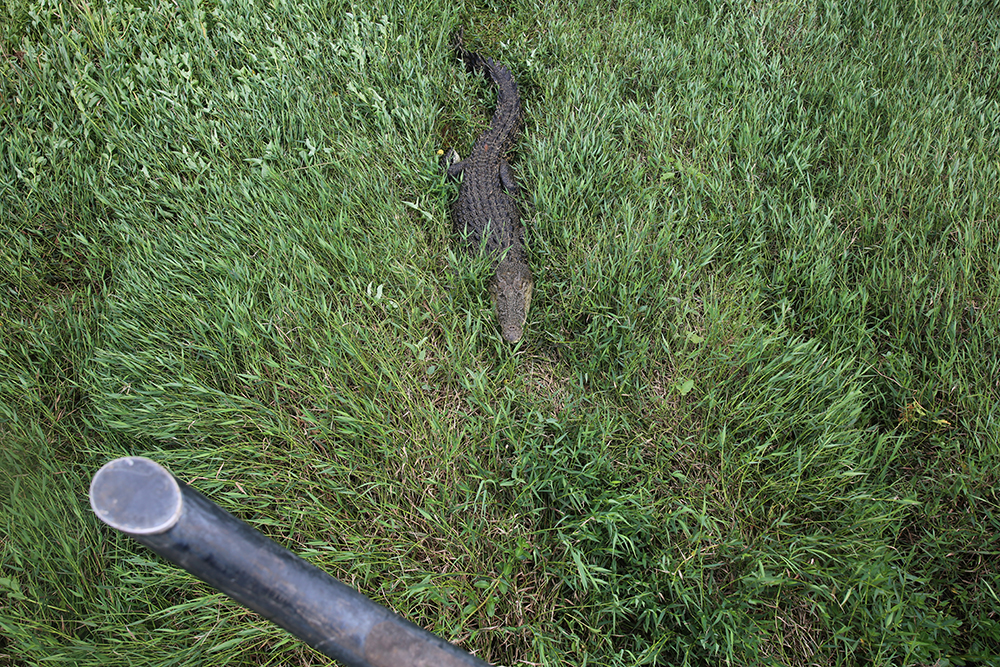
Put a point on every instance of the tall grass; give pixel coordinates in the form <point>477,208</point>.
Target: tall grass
<point>754,420</point>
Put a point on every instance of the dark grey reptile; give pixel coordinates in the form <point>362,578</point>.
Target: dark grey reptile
<point>486,216</point>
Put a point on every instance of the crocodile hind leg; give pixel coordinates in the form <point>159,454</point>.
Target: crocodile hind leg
<point>452,164</point>
<point>507,179</point>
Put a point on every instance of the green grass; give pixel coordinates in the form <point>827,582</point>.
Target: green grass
<point>754,420</point>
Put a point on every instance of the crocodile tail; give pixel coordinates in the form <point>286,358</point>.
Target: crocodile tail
<point>473,61</point>
<point>497,73</point>
<point>506,120</point>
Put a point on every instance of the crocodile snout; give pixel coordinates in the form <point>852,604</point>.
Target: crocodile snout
<point>511,291</point>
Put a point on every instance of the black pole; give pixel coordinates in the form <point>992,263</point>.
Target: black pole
<point>141,499</point>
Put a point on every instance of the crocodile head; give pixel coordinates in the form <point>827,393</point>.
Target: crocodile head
<point>511,292</point>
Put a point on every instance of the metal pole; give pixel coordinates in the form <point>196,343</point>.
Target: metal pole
<point>143,500</point>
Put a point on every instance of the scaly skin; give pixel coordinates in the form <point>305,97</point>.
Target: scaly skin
<point>486,216</point>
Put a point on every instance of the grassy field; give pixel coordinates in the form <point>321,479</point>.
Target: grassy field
<point>754,420</point>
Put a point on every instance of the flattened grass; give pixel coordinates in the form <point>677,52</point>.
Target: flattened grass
<point>753,422</point>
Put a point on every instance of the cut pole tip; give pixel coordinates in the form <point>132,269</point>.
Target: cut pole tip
<point>136,495</point>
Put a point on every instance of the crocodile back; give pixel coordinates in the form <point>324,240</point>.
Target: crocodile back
<point>485,217</point>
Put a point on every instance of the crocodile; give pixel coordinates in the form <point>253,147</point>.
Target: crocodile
<point>486,217</point>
